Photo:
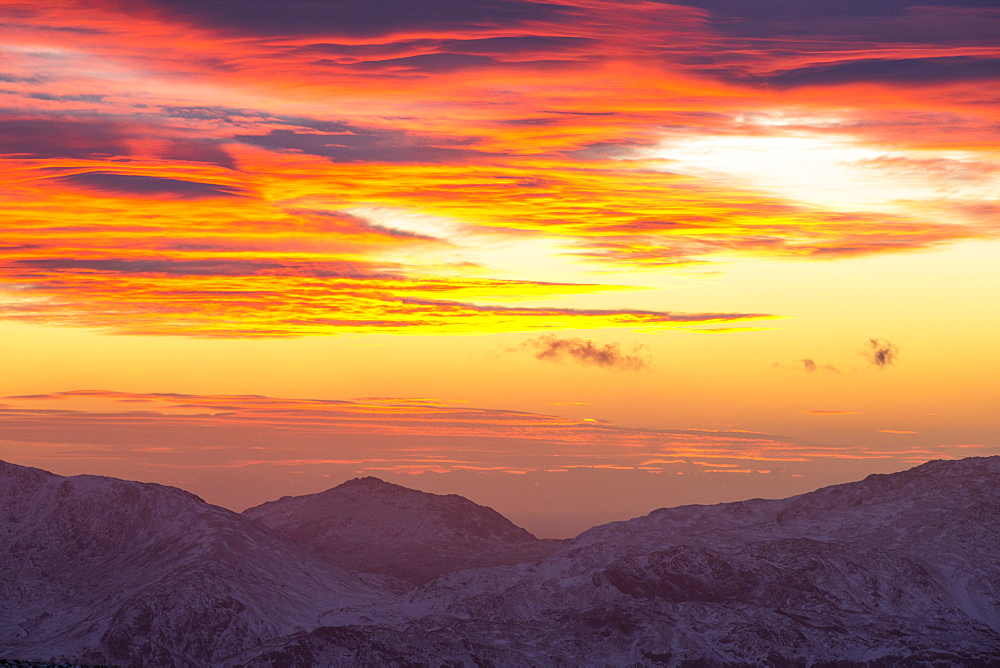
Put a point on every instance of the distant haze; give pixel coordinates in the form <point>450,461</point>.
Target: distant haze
<point>553,475</point>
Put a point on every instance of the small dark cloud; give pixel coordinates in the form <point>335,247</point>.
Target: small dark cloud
<point>135,184</point>
<point>585,351</point>
<point>810,366</point>
<point>881,353</point>
<point>349,146</point>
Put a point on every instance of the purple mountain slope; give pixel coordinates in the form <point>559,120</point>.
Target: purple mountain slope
<point>98,570</point>
<point>894,570</point>
<point>369,525</point>
<point>897,569</point>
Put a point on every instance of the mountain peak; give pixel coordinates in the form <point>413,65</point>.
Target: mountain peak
<point>367,482</point>
<point>889,570</point>
<point>371,525</point>
<point>117,572</point>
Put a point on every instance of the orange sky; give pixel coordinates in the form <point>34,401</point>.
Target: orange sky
<point>533,211</point>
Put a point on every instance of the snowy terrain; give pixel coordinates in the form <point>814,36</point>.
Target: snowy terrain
<point>98,570</point>
<point>893,570</point>
<point>374,526</point>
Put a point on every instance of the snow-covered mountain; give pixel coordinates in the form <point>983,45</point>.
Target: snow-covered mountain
<point>98,570</point>
<point>893,570</point>
<point>370,525</point>
<point>897,569</point>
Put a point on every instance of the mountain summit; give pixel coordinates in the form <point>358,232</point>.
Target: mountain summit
<point>113,572</point>
<point>896,569</point>
<point>370,525</point>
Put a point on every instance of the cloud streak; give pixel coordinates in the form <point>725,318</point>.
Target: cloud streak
<point>584,351</point>
<point>248,134</point>
<point>810,366</point>
<point>215,444</point>
<point>140,185</point>
<point>381,430</point>
<point>349,18</point>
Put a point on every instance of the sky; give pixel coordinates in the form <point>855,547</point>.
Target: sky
<point>576,260</point>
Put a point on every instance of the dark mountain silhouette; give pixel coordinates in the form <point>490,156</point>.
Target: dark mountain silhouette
<point>370,525</point>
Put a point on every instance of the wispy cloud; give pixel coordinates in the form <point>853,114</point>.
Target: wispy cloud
<point>584,351</point>
<point>150,186</point>
<point>810,366</point>
<point>222,441</point>
<point>420,433</point>
<point>169,132</point>
<point>388,433</point>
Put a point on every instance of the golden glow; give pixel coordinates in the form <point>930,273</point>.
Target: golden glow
<point>196,201</point>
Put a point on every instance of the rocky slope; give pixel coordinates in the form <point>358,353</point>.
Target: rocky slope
<point>370,525</point>
<point>98,570</point>
<point>892,570</point>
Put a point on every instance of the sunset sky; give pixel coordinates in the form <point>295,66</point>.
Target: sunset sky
<point>574,259</point>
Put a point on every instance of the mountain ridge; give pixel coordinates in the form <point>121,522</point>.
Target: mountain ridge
<point>375,526</point>
<point>876,572</point>
<point>889,570</point>
<point>102,571</point>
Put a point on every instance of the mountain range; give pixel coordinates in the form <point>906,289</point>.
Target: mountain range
<point>891,570</point>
